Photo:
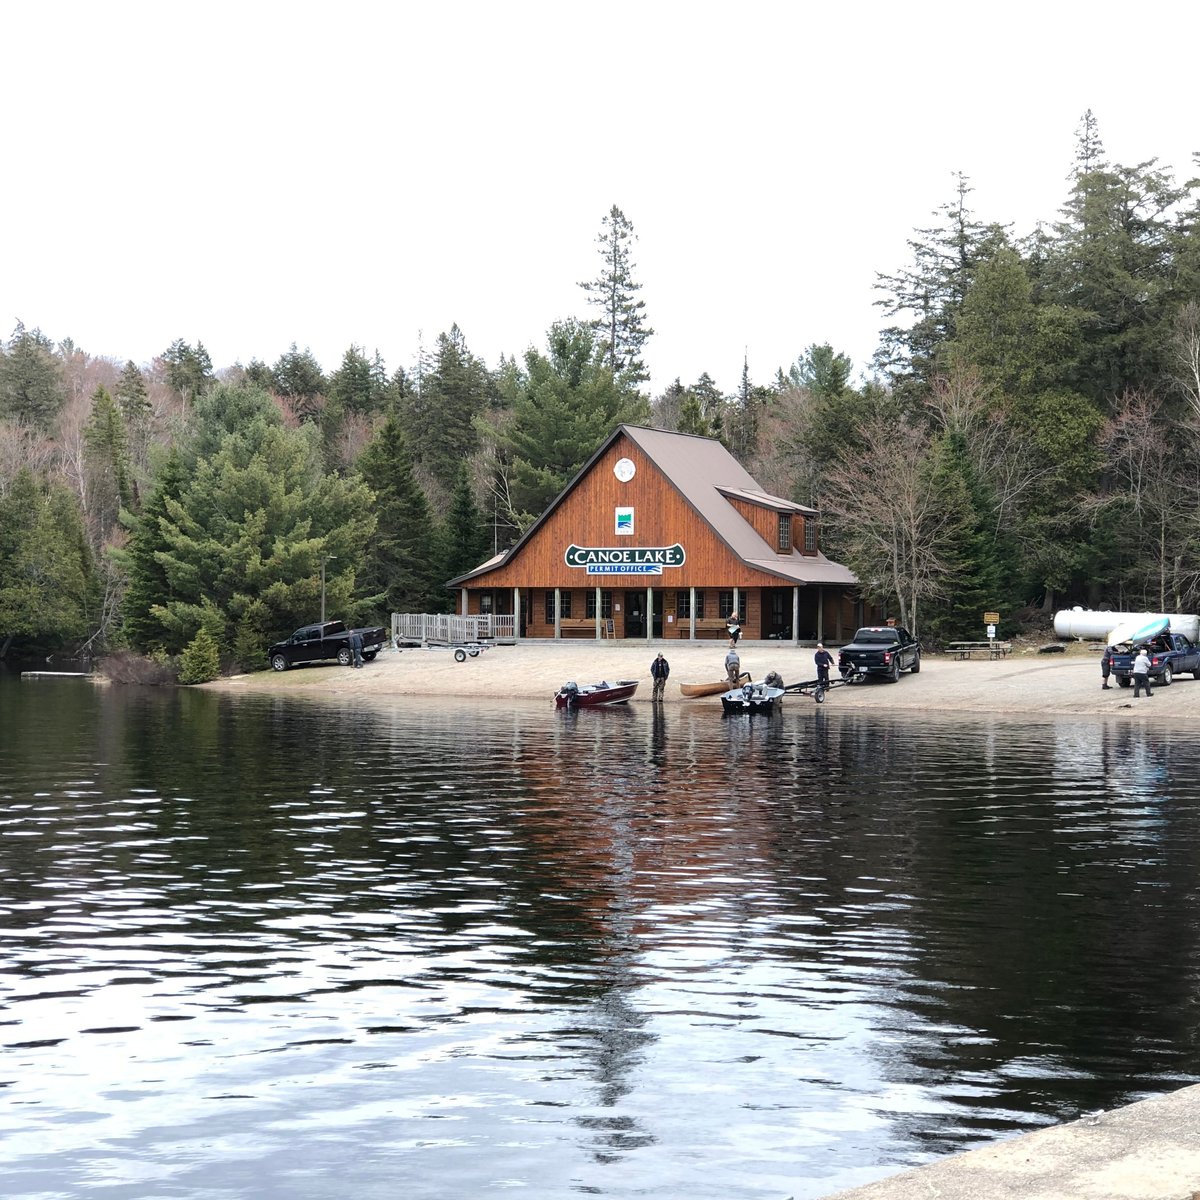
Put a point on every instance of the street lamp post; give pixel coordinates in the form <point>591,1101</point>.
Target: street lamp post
<point>324,559</point>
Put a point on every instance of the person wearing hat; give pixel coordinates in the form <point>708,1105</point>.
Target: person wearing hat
<point>824,661</point>
<point>659,670</point>
<point>1141,672</point>
<point>1106,666</point>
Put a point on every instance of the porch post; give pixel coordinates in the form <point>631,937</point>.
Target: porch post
<point>463,601</point>
<point>649,613</point>
<point>557,614</point>
<point>737,607</point>
<point>516,614</point>
<point>599,616</point>
<point>796,616</point>
<point>820,614</point>
<point>692,614</point>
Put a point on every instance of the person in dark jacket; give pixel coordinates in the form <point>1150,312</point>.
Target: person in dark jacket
<point>824,661</point>
<point>734,628</point>
<point>659,670</point>
<point>1106,666</point>
<point>356,648</point>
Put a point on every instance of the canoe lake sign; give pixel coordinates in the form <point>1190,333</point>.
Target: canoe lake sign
<point>625,560</point>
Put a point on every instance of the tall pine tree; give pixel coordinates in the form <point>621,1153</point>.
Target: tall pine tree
<point>621,320</point>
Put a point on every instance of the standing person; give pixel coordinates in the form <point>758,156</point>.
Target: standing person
<point>734,626</point>
<point>733,667</point>
<point>659,670</point>
<point>1141,673</point>
<point>1106,666</point>
<point>824,661</point>
<point>356,647</point>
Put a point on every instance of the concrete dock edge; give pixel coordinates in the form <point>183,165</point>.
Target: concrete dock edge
<point>1146,1151</point>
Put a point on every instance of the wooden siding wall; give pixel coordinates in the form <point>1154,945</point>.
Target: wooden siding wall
<point>586,516</point>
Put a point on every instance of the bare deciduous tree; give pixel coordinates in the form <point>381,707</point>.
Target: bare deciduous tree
<point>896,526</point>
<point>1160,489</point>
<point>1185,350</point>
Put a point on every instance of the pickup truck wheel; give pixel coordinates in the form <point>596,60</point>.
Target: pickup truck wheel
<point>916,667</point>
<point>344,656</point>
<point>279,662</point>
<point>1123,681</point>
<point>894,674</point>
<point>369,655</point>
<point>1164,680</point>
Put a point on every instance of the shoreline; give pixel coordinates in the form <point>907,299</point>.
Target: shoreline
<point>1025,683</point>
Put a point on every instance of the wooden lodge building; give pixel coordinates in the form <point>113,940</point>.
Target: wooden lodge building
<point>664,535</point>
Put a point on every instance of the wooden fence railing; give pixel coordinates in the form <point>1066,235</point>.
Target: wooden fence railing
<point>422,628</point>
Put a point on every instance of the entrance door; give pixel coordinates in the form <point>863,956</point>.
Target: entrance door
<point>635,614</point>
<point>778,612</point>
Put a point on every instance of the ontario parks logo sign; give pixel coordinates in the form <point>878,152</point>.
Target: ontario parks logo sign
<point>625,560</point>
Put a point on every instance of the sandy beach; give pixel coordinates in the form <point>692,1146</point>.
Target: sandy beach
<point>1026,682</point>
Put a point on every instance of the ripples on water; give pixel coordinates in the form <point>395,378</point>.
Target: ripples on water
<point>288,949</point>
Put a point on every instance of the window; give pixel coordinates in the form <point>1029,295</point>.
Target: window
<point>605,604</point>
<point>810,535</point>
<point>724,604</point>
<point>683,605</point>
<point>785,532</point>
<point>566,605</point>
<point>485,603</point>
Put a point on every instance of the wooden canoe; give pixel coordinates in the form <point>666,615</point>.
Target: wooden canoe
<point>694,690</point>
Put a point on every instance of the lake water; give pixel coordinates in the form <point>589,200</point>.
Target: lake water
<point>283,949</point>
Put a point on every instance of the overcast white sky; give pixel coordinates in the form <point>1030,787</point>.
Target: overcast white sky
<point>255,174</point>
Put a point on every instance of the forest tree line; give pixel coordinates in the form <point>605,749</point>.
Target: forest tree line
<point>1026,436</point>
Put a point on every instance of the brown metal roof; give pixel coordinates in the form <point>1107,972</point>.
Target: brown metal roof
<point>707,475</point>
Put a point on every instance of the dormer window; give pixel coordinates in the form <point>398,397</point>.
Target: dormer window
<point>785,533</point>
<point>810,535</point>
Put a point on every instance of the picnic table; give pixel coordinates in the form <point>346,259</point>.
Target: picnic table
<point>988,649</point>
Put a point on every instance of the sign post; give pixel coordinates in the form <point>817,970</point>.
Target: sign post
<point>991,620</point>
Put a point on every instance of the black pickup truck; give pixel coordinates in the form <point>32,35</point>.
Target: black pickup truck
<point>880,650</point>
<point>326,639</point>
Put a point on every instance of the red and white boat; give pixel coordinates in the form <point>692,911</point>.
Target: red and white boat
<point>594,695</point>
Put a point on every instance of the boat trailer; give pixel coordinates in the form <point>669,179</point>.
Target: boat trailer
<point>817,690</point>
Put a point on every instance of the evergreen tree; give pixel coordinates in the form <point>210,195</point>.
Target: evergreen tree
<point>259,374</point>
<point>979,564</point>
<point>399,573</point>
<point>110,483</point>
<point>712,404</point>
<point>297,377</point>
<point>131,395</point>
<point>824,372</point>
<point>49,595</point>
<point>353,387</point>
<point>189,369</point>
<point>465,535</point>
<point>147,583</point>
<point>932,290</point>
<point>566,403</point>
<point>439,416</point>
<point>201,661</point>
<point>621,325</point>
<point>1111,261</point>
<point>253,520</point>
<point>31,386</point>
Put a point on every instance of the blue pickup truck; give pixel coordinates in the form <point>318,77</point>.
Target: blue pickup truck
<point>1170,654</point>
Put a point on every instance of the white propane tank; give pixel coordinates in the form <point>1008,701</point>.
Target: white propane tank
<point>1089,625</point>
